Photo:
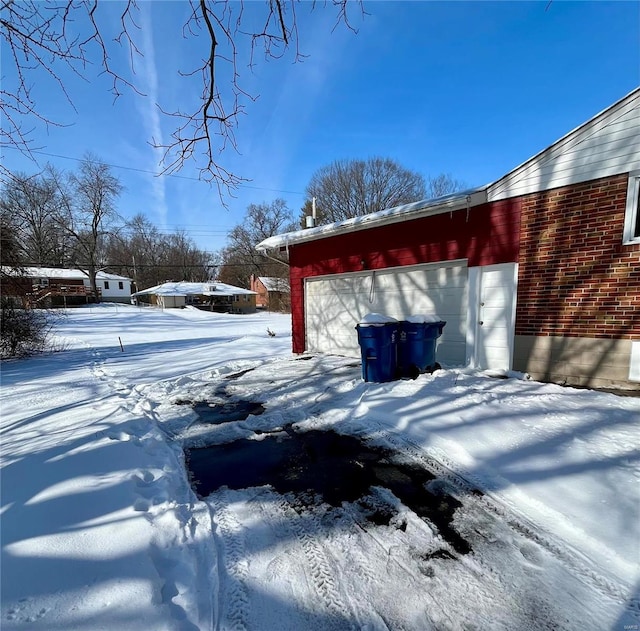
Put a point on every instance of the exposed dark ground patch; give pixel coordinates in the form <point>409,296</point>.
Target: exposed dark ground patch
<point>324,465</point>
<point>240,373</point>
<point>214,414</point>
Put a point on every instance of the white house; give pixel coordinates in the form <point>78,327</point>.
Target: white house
<point>114,288</point>
<point>70,286</point>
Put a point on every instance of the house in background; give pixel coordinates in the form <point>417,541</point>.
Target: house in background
<point>273,293</point>
<point>63,287</point>
<point>209,296</point>
<point>114,288</point>
<point>538,271</point>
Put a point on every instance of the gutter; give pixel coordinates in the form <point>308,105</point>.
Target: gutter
<point>426,208</point>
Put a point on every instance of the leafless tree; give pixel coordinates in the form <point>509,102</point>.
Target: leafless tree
<point>11,251</point>
<point>349,188</point>
<point>137,252</point>
<point>22,330</point>
<point>150,257</point>
<point>87,213</point>
<point>187,261</point>
<point>62,37</point>
<point>240,258</point>
<point>58,38</point>
<point>443,184</point>
<point>30,203</point>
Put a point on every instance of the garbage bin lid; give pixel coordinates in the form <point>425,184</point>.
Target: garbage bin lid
<point>424,318</point>
<point>376,319</point>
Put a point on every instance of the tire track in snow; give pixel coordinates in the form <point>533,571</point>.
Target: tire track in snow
<point>470,485</point>
<point>235,610</point>
<point>233,613</point>
<point>306,529</point>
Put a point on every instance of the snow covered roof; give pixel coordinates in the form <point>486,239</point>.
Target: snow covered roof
<point>275,284</point>
<point>58,272</point>
<point>210,288</point>
<point>108,276</point>
<point>424,208</point>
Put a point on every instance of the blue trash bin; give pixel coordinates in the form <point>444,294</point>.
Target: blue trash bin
<point>417,347</point>
<point>378,349</point>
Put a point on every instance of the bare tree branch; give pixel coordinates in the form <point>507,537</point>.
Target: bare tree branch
<point>38,37</point>
<point>62,37</point>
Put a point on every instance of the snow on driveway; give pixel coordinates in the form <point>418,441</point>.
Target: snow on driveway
<point>102,530</point>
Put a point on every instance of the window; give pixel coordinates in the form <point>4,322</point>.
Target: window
<point>106,284</point>
<point>632,212</point>
<point>120,285</point>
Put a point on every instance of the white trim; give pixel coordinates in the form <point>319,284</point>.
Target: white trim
<point>632,210</point>
<point>473,304</point>
<point>475,277</point>
<point>634,362</point>
<point>404,268</point>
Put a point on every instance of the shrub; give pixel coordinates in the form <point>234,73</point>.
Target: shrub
<point>22,331</point>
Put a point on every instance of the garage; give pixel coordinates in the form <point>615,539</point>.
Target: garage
<point>334,304</point>
<point>455,256</point>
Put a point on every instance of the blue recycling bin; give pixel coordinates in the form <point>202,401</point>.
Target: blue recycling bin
<point>378,349</point>
<point>417,347</point>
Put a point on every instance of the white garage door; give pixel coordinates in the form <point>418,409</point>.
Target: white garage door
<point>335,304</point>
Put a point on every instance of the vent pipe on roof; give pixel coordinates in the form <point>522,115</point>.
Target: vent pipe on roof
<point>311,221</point>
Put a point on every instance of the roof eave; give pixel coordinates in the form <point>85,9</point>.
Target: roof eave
<point>417,210</point>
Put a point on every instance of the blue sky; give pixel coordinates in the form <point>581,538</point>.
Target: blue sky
<point>471,89</point>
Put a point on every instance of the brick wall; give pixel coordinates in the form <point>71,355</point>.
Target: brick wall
<point>262,299</point>
<point>575,276</point>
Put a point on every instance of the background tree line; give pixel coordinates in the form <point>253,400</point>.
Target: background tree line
<point>60,219</point>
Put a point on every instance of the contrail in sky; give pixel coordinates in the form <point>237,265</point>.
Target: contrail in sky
<point>151,114</point>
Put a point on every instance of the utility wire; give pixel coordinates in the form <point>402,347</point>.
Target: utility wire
<point>175,175</point>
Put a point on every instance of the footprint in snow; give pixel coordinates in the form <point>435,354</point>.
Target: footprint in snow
<point>531,553</point>
<point>141,505</point>
<point>145,479</point>
<point>123,436</point>
<point>276,568</point>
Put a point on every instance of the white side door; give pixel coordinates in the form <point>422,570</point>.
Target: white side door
<point>492,309</point>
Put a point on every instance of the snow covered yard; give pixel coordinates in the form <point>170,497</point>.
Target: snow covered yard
<point>102,530</point>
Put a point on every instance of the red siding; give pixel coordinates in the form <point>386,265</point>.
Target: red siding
<point>575,276</point>
<point>484,235</point>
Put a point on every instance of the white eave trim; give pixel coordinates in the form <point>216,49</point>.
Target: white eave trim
<point>500,189</point>
<point>406,212</point>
